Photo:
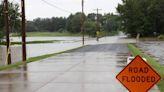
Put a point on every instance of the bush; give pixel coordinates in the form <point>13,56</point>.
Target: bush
<point>90,28</point>
<point>161,37</point>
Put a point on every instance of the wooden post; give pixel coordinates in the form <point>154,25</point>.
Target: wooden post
<point>23,31</point>
<point>8,55</point>
<point>82,22</point>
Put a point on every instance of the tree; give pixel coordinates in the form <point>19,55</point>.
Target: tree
<point>110,22</point>
<point>142,16</point>
<point>58,24</point>
<point>1,21</point>
<point>31,27</point>
<point>14,18</point>
<point>74,23</point>
<point>53,24</point>
<point>90,28</point>
<point>92,16</point>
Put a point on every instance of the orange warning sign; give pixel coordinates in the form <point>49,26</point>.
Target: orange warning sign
<point>138,76</point>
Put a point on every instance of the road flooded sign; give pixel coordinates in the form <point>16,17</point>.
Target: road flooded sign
<point>138,76</point>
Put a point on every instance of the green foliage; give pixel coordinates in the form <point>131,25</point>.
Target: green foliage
<point>31,42</point>
<point>106,33</point>
<point>161,37</point>
<point>50,34</point>
<point>1,21</point>
<point>93,16</point>
<point>90,28</point>
<point>142,16</point>
<point>110,22</point>
<point>14,18</point>
<point>74,23</point>
<point>53,24</point>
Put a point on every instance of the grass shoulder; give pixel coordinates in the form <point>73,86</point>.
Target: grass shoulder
<point>152,62</point>
<point>31,42</point>
<point>47,34</point>
<point>105,33</point>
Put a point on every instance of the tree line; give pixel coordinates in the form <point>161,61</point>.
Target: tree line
<point>144,17</point>
<point>72,24</point>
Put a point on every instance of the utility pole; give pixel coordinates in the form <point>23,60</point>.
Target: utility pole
<point>82,22</point>
<point>23,31</point>
<point>97,18</point>
<point>7,31</point>
<point>97,25</point>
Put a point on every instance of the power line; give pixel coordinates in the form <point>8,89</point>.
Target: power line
<point>56,6</point>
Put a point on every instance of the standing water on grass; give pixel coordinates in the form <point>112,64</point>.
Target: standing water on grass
<point>16,54</point>
<point>62,44</point>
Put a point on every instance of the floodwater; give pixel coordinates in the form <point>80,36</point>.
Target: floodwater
<point>82,70</point>
<point>19,39</point>
<point>64,43</point>
<point>15,56</point>
<point>89,69</point>
<point>154,49</point>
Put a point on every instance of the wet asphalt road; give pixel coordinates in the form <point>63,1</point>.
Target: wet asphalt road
<point>90,69</point>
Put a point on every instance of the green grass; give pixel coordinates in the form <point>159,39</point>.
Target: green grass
<point>47,34</point>
<point>30,42</point>
<point>152,62</point>
<point>33,59</point>
<point>161,37</point>
<point>105,33</point>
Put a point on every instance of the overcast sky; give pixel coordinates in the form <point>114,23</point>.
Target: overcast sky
<point>57,8</point>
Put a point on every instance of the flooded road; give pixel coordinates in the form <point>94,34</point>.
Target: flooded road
<point>65,43</point>
<point>154,49</point>
<point>89,69</point>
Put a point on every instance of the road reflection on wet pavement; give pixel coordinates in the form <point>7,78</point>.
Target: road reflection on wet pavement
<point>90,69</point>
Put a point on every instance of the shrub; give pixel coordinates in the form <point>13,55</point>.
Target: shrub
<point>161,37</point>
